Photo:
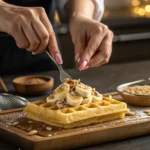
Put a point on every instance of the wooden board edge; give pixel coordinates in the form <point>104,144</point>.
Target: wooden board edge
<point>96,137</point>
<point>37,138</point>
<point>111,93</point>
<point>10,111</point>
<point>130,123</point>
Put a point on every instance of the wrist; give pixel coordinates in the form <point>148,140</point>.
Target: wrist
<point>83,8</point>
<point>78,17</point>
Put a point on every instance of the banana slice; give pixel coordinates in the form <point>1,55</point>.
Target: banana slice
<point>51,99</point>
<point>96,96</point>
<point>83,90</point>
<point>61,91</point>
<point>87,100</point>
<point>73,99</point>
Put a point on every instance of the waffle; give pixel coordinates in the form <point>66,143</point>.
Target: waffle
<point>70,117</point>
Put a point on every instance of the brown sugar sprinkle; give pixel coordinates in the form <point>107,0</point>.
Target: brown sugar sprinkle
<point>138,90</point>
<point>35,81</point>
<point>130,113</point>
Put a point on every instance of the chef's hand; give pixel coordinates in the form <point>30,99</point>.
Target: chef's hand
<point>30,28</point>
<point>92,41</point>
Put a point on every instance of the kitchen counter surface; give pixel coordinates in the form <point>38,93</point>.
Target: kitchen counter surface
<point>104,79</point>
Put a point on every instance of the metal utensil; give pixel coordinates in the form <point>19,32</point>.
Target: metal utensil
<point>9,101</point>
<point>63,74</point>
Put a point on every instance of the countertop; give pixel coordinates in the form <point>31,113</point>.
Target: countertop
<point>104,79</point>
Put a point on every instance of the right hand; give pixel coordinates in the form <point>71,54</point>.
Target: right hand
<point>30,27</point>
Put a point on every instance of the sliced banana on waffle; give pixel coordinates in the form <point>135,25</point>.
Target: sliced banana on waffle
<point>87,100</point>
<point>73,93</point>
<point>96,96</point>
<point>83,90</point>
<point>51,99</point>
<point>61,91</point>
<point>74,99</point>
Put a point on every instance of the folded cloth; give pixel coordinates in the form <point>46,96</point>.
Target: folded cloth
<point>99,9</point>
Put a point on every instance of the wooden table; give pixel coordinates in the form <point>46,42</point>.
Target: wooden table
<point>104,79</point>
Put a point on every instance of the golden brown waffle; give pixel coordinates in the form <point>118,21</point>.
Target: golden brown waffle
<point>105,110</point>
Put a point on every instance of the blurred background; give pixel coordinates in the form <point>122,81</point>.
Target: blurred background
<point>130,22</point>
<point>128,19</point>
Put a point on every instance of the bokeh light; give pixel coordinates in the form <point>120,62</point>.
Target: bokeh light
<point>141,12</point>
<point>136,9</point>
<point>147,8</point>
<point>135,3</point>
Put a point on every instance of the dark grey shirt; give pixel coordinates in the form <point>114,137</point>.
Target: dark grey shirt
<point>15,60</point>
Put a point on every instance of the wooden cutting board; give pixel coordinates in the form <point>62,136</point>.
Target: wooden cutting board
<point>131,126</point>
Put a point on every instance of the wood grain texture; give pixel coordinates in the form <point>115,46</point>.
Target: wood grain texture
<point>3,85</point>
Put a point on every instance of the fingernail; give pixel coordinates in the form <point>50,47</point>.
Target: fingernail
<point>78,60</point>
<point>83,65</point>
<point>77,56</point>
<point>58,58</point>
<point>33,53</point>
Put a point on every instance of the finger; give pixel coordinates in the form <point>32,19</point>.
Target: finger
<point>20,38</point>
<point>52,44</point>
<point>43,35</point>
<point>105,49</point>
<point>96,60</point>
<point>79,44</point>
<point>100,64</point>
<point>31,36</point>
<point>91,48</point>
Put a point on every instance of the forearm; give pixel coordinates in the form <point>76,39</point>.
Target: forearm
<point>81,8</point>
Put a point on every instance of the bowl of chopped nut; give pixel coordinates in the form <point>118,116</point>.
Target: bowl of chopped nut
<point>136,93</point>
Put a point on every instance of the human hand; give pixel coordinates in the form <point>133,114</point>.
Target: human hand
<point>92,41</point>
<point>30,27</point>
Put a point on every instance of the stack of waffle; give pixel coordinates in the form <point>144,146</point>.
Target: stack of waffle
<point>74,104</point>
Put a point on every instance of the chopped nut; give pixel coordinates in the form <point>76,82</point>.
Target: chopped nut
<point>130,113</point>
<point>110,96</point>
<point>146,111</point>
<point>30,121</point>
<point>61,104</point>
<point>148,114</point>
<point>93,89</point>
<point>32,132</point>
<point>15,123</point>
<point>138,90</point>
<point>48,128</point>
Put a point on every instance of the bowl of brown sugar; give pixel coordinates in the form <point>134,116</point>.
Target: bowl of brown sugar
<point>136,93</point>
<point>33,84</point>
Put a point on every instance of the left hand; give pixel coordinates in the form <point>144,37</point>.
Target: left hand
<point>92,41</point>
